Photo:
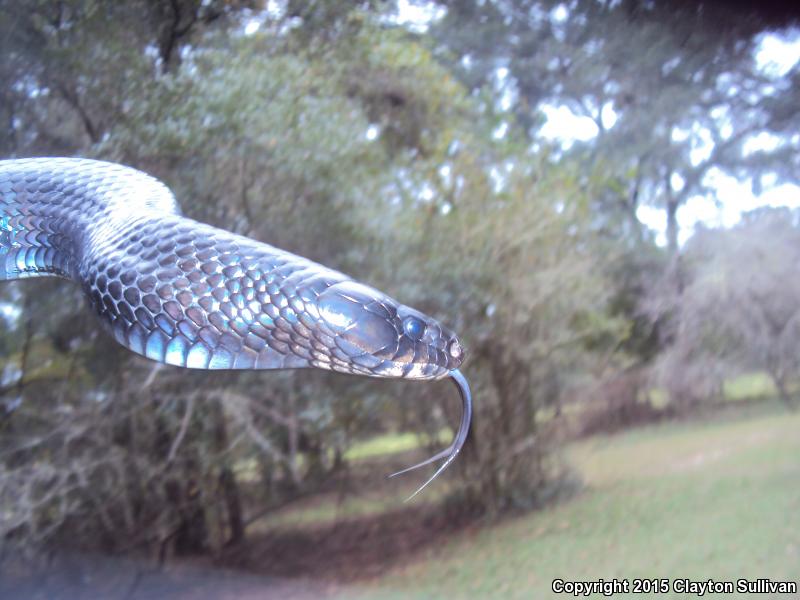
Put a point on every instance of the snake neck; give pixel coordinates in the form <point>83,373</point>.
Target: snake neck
<point>189,294</point>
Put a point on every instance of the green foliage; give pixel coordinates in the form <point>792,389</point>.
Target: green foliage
<point>507,251</point>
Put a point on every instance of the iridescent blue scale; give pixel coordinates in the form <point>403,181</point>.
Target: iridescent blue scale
<point>188,294</point>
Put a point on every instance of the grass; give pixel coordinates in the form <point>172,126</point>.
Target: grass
<point>742,387</point>
<point>326,509</point>
<point>715,499</point>
<point>391,443</point>
<point>329,508</point>
<point>332,507</point>
<point>751,385</point>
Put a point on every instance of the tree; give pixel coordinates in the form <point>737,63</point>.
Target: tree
<point>672,89</point>
<point>154,453</point>
<point>739,308</point>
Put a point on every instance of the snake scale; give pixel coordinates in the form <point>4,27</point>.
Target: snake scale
<point>188,294</point>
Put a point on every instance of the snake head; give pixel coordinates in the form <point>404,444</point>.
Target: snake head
<point>376,335</point>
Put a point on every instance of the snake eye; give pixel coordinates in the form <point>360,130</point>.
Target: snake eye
<point>414,328</point>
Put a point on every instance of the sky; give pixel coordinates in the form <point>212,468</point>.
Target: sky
<point>776,55</point>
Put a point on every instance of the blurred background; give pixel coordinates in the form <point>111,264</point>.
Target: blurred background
<point>599,196</point>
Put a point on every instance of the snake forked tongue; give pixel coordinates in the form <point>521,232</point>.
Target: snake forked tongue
<point>453,449</point>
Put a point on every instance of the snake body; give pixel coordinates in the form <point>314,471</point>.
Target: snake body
<point>188,294</point>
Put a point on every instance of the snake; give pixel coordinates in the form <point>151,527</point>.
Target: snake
<point>188,294</point>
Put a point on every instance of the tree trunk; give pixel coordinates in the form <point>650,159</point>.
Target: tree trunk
<point>227,480</point>
<point>233,505</point>
<point>672,227</point>
<point>783,392</point>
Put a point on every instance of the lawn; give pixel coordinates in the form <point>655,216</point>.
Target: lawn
<point>715,499</point>
<point>391,443</point>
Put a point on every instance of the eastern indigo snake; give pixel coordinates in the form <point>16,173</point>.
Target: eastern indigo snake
<point>188,294</point>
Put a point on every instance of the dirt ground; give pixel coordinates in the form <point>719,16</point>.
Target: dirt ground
<point>88,577</point>
<point>290,564</point>
<point>349,550</point>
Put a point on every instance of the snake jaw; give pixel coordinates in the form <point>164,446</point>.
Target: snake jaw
<point>449,453</point>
